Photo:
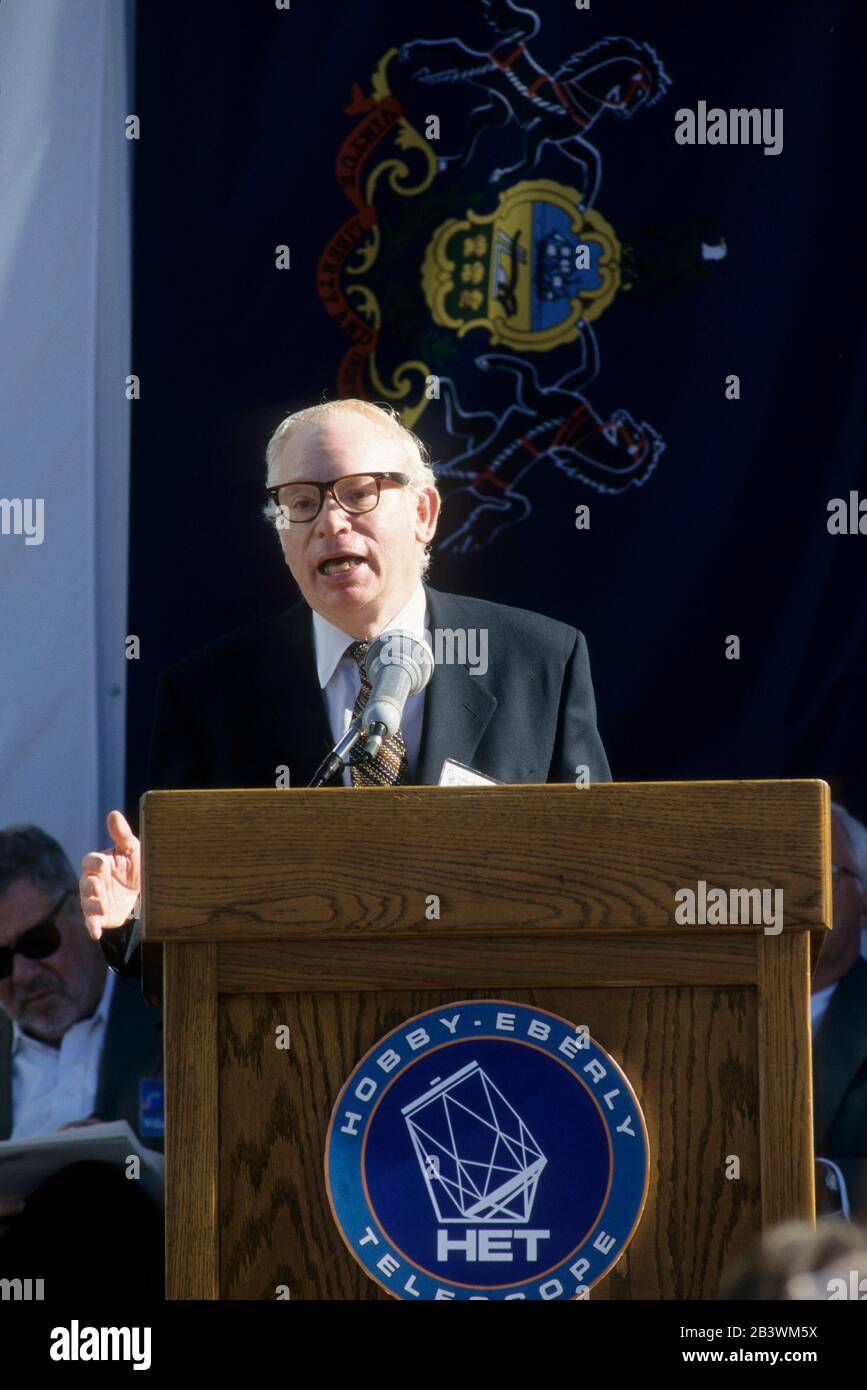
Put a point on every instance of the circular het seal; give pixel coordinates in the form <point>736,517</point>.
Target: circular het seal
<point>487,1150</point>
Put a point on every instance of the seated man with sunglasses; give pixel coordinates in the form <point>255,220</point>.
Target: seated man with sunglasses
<point>74,1043</point>
<point>354,503</point>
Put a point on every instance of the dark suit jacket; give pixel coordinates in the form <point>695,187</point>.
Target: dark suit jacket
<point>840,1083</point>
<point>235,711</point>
<point>231,714</point>
<point>132,1048</point>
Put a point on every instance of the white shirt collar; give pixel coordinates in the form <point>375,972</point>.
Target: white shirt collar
<point>330,642</point>
<point>98,1018</point>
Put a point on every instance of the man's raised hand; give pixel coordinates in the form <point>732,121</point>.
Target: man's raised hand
<point>110,883</point>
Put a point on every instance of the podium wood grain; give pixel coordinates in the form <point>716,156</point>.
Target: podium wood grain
<point>276,1227</point>
<point>270,913</point>
<point>268,865</point>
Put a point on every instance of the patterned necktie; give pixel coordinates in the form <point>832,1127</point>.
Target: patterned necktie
<point>390,767</point>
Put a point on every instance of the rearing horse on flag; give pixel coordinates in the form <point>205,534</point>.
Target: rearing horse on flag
<point>553,424</point>
<point>616,74</point>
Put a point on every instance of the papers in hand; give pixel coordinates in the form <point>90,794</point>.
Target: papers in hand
<point>25,1164</point>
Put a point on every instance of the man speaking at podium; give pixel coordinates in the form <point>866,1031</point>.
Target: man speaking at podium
<point>355,504</point>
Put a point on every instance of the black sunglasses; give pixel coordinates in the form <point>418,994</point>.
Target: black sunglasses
<point>36,943</point>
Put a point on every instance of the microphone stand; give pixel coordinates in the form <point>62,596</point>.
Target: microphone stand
<point>335,762</point>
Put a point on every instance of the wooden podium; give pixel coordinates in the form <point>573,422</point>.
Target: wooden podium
<point>311,910</point>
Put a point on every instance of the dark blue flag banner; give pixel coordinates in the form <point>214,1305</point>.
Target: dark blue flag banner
<point>607,260</point>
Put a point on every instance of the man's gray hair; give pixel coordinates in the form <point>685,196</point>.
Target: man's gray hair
<point>856,834</point>
<point>28,852</point>
<point>384,417</point>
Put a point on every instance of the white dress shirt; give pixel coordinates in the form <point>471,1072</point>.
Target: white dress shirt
<point>819,1002</point>
<point>53,1085</point>
<point>340,680</point>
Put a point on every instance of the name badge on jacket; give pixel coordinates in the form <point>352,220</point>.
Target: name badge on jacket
<point>455,774</point>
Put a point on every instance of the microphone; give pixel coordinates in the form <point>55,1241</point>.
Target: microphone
<point>398,664</point>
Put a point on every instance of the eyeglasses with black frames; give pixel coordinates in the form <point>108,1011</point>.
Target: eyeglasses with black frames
<point>355,493</point>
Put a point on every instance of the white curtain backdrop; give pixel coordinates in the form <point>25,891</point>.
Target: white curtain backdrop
<point>65,167</point>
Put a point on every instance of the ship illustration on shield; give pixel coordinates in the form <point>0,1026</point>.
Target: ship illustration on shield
<point>479,1161</point>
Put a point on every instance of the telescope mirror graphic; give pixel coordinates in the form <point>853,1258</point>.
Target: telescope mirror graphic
<point>479,1161</point>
